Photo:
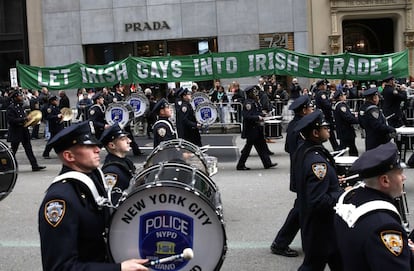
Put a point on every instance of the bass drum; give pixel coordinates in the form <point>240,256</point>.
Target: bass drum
<point>139,103</point>
<point>206,113</point>
<point>119,112</point>
<point>8,170</point>
<point>171,207</point>
<point>178,151</point>
<point>199,98</point>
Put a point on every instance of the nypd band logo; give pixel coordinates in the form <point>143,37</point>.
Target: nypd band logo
<point>166,233</point>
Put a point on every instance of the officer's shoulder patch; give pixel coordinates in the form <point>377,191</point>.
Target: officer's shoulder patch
<point>248,106</point>
<point>375,114</point>
<point>110,179</point>
<point>343,108</point>
<point>184,108</point>
<point>49,110</point>
<point>320,170</point>
<point>55,211</point>
<point>393,241</point>
<point>161,131</point>
<point>92,112</point>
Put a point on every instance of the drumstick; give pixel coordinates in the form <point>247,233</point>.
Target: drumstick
<point>350,177</point>
<point>187,254</point>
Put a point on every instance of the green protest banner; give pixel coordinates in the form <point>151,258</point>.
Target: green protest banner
<point>216,66</point>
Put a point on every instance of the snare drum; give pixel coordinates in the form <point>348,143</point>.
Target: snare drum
<point>8,170</point>
<point>139,103</point>
<point>273,128</point>
<point>172,207</point>
<point>119,112</point>
<point>206,113</point>
<point>178,151</point>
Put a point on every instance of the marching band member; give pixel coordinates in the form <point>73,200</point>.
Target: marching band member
<point>72,225</point>
<point>163,129</point>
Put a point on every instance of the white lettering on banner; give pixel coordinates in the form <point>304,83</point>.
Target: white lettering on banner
<point>166,222</point>
<point>205,66</point>
<point>257,62</point>
<point>362,67</point>
<point>54,75</point>
<point>159,69</point>
<point>104,75</point>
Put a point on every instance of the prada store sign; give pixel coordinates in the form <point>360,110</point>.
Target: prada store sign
<point>146,26</point>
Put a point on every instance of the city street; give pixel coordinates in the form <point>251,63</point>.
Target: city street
<point>255,204</point>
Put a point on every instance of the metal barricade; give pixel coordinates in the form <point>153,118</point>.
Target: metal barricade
<point>3,121</point>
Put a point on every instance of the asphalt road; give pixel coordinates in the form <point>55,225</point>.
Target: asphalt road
<point>255,203</point>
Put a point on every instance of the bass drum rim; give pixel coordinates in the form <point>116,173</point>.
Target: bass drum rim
<point>4,194</point>
<point>175,185</point>
<point>125,107</point>
<point>213,109</point>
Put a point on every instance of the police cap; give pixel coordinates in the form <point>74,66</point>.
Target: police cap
<point>388,78</point>
<point>16,93</point>
<point>97,96</point>
<point>111,134</point>
<point>338,93</point>
<point>377,161</point>
<point>251,89</point>
<point>301,102</point>
<point>313,120</point>
<point>81,133</point>
<point>162,103</point>
<point>321,82</point>
<point>183,91</point>
<point>370,91</point>
<point>53,98</point>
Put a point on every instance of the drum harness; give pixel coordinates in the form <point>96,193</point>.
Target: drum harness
<point>350,213</point>
<point>173,131</point>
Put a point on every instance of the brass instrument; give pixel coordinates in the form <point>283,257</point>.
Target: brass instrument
<point>67,114</point>
<point>33,118</point>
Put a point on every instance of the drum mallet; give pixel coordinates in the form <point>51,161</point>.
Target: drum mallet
<point>187,255</point>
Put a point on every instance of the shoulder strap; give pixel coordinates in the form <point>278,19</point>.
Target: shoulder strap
<point>168,124</point>
<point>350,213</point>
<point>83,178</point>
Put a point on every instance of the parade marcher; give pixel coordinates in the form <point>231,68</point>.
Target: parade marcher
<point>117,167</point>
<point>368,226</point>
<point>72,225</point>
<point>391,104</point>
<point>35,105</point>
<point>301,106</point>
<point>253,118</point>
<point>317,191</point>
<point>373,121</point>
<point>186,117</point>
<point>344,121</point>
<point>163,129</point>
<point>17,133</point>
<point>54,119</point>
<point>96,114</point>
<point>324,103</point>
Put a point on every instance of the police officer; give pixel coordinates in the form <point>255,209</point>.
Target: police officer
<point>97,114</point>
<point>163,129</point>
<point>368,226</point>
<point>54,119</point>
<point>317,190</point>
<point>71,221</point>
<point>391,105</point>
<point>344,120</point>
<point>16,118</point>
<point>188,128</point>
<point>373,121</point>
<point>253,118</point>
<point>301,106</point>
<point>324,103</point>
<point>118,169</point>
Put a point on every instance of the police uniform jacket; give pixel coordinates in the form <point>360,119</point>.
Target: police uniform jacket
<point>163,131</point>
<point>55,123</point>
<point>318,191</point>
<point>189,124</point>
<point>252,128</point>
<point>373,121</point>
<point>73,226</point>
<point>293,140</point>
<point>97,116</point>
<point>377,241</point>
<point>34,103</point>
<point>344,120</point>
<point>392,105</point>
<point>323,102</point>
<point>179,118</point>
<point>16,117</point>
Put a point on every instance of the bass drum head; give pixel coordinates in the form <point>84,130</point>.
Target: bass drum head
<point>199,98</point>
<point>8,170</point>
<point>139,103</point>
<point>162,220</point>
<point>119,112</point>
<point>178,151</point>
<point>206,113</point>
